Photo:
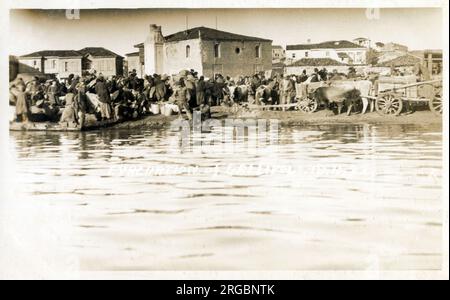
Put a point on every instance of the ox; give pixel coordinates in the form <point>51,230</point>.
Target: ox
<point>348,93</point>
<point>239,93</point>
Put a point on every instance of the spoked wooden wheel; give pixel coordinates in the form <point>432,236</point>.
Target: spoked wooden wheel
<point>389,104</point>
<point>435,104</point>
<point>307,105</point>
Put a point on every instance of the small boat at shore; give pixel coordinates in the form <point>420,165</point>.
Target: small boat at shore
<point>51,126</point>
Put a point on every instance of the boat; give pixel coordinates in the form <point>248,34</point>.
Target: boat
<point>51,126</point>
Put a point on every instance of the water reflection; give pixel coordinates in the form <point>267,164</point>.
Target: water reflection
<point>327,197</point>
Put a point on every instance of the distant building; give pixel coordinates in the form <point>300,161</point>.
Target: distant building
<point>390,51</point>
<point>406,60</point>
<point>389,47</point>
<point>103,61</point>
<point>134,63</point>
<point>278,53</point>
<point>363,42</point>
<point>432,59</point>
<point>208,51</point>
<point>343,51</point>
<point>60,63</point>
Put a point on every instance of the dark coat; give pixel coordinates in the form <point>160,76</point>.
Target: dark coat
<point>102,92</point>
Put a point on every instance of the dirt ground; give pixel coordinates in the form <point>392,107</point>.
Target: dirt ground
<point>296,118</point>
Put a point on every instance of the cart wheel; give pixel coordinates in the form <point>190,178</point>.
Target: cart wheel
<point>307,105</point>
<point>436,105</point>
<point>389,104</point>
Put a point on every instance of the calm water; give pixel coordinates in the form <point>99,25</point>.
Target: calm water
<point>338,197</point>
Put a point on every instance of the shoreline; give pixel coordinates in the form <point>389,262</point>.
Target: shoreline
<point>295,118</point>
<point>289,118</point>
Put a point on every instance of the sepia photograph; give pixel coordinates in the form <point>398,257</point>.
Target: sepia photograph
<point>228,141</point>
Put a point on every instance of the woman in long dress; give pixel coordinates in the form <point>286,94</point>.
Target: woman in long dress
<point>21,103</point>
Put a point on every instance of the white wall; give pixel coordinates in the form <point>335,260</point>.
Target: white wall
<point>106,66</point>
<point>175,58</point>
<point>51,65</point>
<point>134,62</point>
<point>357,55</point>
<point>69,66</point>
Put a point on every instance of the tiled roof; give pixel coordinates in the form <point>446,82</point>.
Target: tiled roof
<point>405,60</point>
<point>98,52</point>
<point>133,54</point>
<point>54,53</point>
<point>326,45</point>
<point>210,34</point>
<point>317,62</point>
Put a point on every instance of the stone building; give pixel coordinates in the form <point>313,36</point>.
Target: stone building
<point>208,51</point>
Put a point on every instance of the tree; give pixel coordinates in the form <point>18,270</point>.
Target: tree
<point>373,56</point>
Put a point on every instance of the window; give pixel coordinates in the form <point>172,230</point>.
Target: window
<point>327,53</point>
<point>188,51</point>
<point>293,55</point>
<point>66,66</point>
<point>306,54</point>
<point>216,50</point>
<point>258,51</point>
<point>109,65</point>
<point>34,63</point>
<point>54,64</point>
<point>237,50</point>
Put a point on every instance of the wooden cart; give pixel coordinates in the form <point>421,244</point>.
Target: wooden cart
<point>394,92</point>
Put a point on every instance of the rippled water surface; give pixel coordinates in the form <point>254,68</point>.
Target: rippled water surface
<point>333,197</point>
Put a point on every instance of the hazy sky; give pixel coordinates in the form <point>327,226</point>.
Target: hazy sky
<point>119,30</point>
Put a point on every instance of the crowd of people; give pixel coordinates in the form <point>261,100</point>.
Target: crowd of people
<point>126,97</point>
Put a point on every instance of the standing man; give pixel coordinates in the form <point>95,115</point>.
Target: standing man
<point>200,90</point>
<point>181,98</point>
<point>102,92</point>
<point>81,101</point>
<point>191,88</point>
<point>286,90</point>
<point>52,93</point>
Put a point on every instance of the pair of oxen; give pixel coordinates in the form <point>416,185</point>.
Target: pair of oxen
<point>342,93</point>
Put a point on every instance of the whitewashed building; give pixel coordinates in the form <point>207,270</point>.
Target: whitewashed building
<point>60,63</point>
<point>278,53</point>
<point>343,51</point>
